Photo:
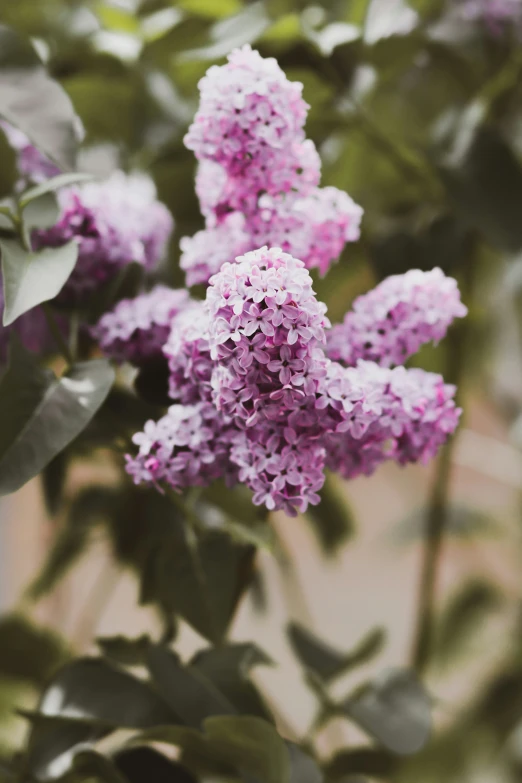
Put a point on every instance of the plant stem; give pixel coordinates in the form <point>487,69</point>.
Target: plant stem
<point>435,527</point>
<point>56,333</point>
<point>438,505</point>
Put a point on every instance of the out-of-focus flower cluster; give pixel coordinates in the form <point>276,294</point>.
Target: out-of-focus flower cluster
<point>33,165</point>
<point>116,222</point>
<point>496,14</point>
<point>258,176</point>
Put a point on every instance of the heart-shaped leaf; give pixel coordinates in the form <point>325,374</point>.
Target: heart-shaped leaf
<point>40,413</point>
<point>33,278</point>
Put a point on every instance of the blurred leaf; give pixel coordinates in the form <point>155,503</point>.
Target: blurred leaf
<point>252,745</point>
<point>40,414</point>
<point>187,690</point>
<point>32,278</point>
<point>373,762</point>
<point>485,183</point>
<point>464,616</point>
<point>210,8</point>
<point>334,35</point>
<point>85,700</point>
<point>52,184</point>
<point>90,764</point>
<point>303,769</point>
<point>125,651</point>
<point>198,575</point>
<point>113,18</point>
<point>333,521</point>
<point>8,167</point>
<point>323,660</point>
<point>42,212</point>
<point>86,510</point>
<point>228,668</point>
<point>152,382</point>
<point>385,18</point>
<point>34,103</point>
<point>54,477</point>
<point>145,765</point>
<point>28,652</point>
<point>228,34</point>
<point>461,522</point>
<point>395,710</point>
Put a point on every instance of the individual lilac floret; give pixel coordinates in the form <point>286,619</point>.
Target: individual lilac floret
<point>116,222</point>
<point>188,447</point>
<point>33,165</point>
<point>137,329</point>
<point>411,415</point>
<point>390,323</point>
<point>265,327</point>
<point>314,228</point>
<point>247,109</point>
<point>188,353</point>
<point>204,254</point>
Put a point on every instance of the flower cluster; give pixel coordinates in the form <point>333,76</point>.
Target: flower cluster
<point>390,323</point>
<point>248,366</point>
<point>137,329</point>
<point>258,176</point>
<point>496,14</point>
<point>116,222</point>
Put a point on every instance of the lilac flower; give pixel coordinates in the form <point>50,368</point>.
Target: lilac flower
<point>390,323</point>
<point>410,417</point>
<point>188,354</point>
<point>116,222</point>
<point>247,108</point>
<point>265,324</point>
<point>495,13</point>
<point>137,329</point>
<point>189,446</point>
<point>205,252</point>
<point>33,165</point>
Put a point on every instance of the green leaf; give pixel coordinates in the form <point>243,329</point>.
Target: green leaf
<point>28,652</point>
<point>485,183</point>
<point>326,662</point>
<point>303,769</point>
<point>125,651</point>
<point>41,414</point>
<point>188,692</point>
<point>144,765</point>
<point>85,700</point>
<point>52,184</point>
<point>200,576</point>
<point>33,102</point>
<point>395,710</point>
<point>230,33</point>
<point>371,762</point>
<point>32,278</point>
<point>332,519</point>
<point>228,669</point>
<point>251,745</point>
<point>42,212</point>
<point>90,764</point>
<point>8,167</point>
<point>209,8</point>
<point>464,616</point>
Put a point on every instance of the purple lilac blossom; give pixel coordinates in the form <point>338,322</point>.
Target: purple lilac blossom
<point>413,413</point>
<point>204,253</point>
<point>188,353</point>
<point>33,165</point>
<point>137,329</point>
<point>247,109</point>
<point>390,323</point>
<point>255,162</point>
<point>116,222</point>
<point>496,14</point>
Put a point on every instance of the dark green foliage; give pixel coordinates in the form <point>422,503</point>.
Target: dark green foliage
<point>41,414</point>
<point>140,765</point>
<point>19,639</point>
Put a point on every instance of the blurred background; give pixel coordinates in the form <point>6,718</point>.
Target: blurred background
<point>416,110</point>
